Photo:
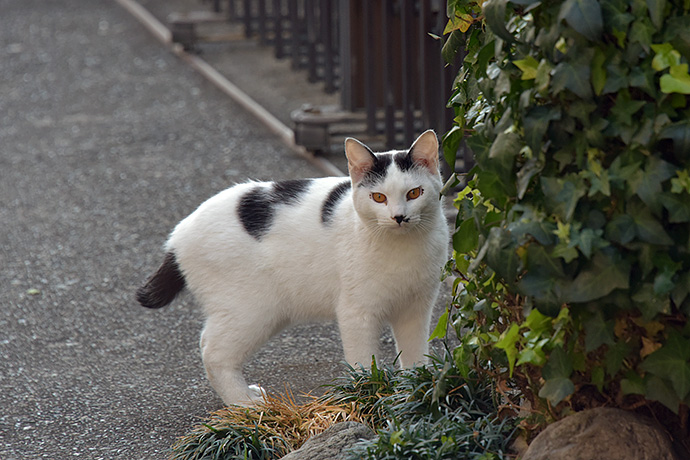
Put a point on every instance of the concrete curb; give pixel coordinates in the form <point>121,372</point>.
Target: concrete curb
<point>286,135</point>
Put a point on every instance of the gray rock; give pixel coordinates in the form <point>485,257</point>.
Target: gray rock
<point>332,443</point>
<point>602,433</point>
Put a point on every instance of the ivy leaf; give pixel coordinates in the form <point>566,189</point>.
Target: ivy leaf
<point>500,254</point>
<point>528,66</point>
<point>557,389</point>
<point>676,81</point>
<point>647,184</point>
<point>649,303</point>
<point>615,357</point>
<point>560,365</point>
<point>562,195</point>
<point>598,332</point>
<point>657,390</point>
<point>670,362</point>
<point>584,16</point>
<point>679,133</point>
<point>656,12</point>
<point>508,343</point>
<point>573,77</point>
<point>599,278</point>
<point>451,144</point>
<point>453,43</point>
<point>621,229</point>
<point>459,21</point>
<point>495,14</point>
<point>440,329</point>
<point>625,108</point>
<point>466,238</point>
<point>598,71</point>
<point>665,57</point>
<point>678,207</point>
<point>647,227</point>
<point>536,123</point>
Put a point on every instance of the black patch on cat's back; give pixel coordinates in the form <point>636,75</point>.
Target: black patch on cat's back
<point>257,206</point>
<point>334,196</point>
<point>289,191</point>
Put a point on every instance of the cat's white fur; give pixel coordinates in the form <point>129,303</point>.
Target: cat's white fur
<point>363,268</point>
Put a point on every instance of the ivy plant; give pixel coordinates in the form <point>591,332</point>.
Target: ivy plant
<point>572,239</point>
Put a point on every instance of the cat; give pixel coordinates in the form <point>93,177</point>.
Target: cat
<point>367,250</point>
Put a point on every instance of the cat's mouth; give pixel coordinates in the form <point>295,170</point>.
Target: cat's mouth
<point>398,224</point>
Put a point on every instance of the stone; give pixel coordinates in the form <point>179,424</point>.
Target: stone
<point>602,433</point>
<point>332,443</point>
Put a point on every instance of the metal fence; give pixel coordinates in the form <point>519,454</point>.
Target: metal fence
<point>378,54</point>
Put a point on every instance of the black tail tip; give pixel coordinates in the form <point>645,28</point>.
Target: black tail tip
<point>162,288</point>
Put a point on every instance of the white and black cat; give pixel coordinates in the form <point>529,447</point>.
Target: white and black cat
<point>259,256</point>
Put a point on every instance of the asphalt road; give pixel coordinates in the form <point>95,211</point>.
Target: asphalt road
<point>107,140</point>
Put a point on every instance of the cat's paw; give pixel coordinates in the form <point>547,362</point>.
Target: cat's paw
<point>256,393</point>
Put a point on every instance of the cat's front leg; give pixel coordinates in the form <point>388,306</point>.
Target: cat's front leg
<point>360,336</point>
<point>411,331</point>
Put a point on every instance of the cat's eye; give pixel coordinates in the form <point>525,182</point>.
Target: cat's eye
<point>379,197</point>
<point>414,193</point>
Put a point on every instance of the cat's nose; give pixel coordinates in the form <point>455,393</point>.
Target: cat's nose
<point>399,219</point>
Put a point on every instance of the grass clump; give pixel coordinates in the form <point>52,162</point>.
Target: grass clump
<point>430,412</point>
<point>425,412</point>
<point>269,430</point>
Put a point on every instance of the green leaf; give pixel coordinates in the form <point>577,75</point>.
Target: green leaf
<point>575,77</point>
<point>656,12</point>
<point>451,144</point>
<point>657,390</point>
<point>632,384</point>
<point>678,207</point>
<point>584,16</point>
<point>441,327</point>
<point>598,376</point>
<point>508,343</point>
<point>500,254</point>
<point>495,14</point>
<point>536,123</point>
<point>466,238</point>
<point>598,332</point>
<point>625,108</point>
<point>679,133</point>
<point>537,322</point>
<point>621,229</point>
<point>528,66</point>
<point>649,303</point>
<point>557,389</point>
<point>598,71</point>
<point>647,227</point>
<point>603,275</point>
<point>665,57</point>
<point>562,195</point>
<point>615,357</point>
<point>647,185</point>
<point>670,362</point>
<point>560,365</point>
<point>676,81</point>
<point>452,45</point>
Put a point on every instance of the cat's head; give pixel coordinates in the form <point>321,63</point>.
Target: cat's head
<point>396,190</point>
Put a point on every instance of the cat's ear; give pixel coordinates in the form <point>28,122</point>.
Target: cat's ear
<point>424,151</point>
<point>360,159</point>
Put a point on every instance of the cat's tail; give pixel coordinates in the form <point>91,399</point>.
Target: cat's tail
<point>163,286</point>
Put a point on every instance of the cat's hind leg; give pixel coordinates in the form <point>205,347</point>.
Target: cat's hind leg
<point>227,341</point>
